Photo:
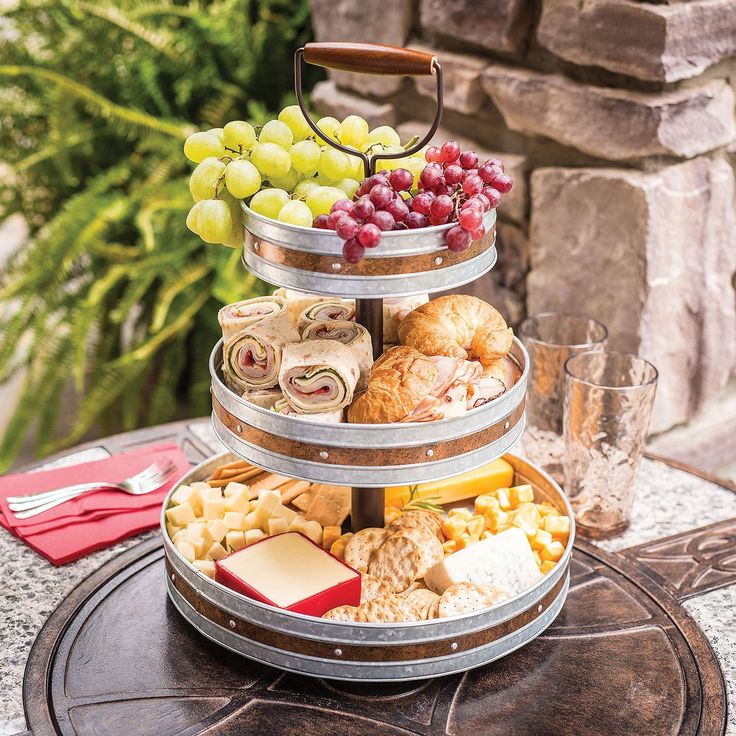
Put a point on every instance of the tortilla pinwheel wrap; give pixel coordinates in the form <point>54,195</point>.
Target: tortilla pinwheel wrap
<point>264,397</point>
<point>355,336</point>
<point>318,375</point>
<point>298,301</point>
<point>236,317</point>
<point>394,310</point>
<point>253,355</point>
<point>329,417</point>
<point>333,309</point>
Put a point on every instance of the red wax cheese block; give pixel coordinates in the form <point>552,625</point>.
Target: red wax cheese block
<point>290,571</point>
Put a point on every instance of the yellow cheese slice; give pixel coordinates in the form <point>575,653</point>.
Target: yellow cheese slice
<point>498,474</point>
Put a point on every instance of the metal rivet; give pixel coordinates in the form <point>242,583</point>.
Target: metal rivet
<point>173,578</point>
<point>232,624</point>
<point>539,608</point>
<point>338,652</point>
<point>453,646</point>
<point>438,260</point>
<point>336,266</point>
<point>238,428</point>
<point>429,452</point>
<point>324,454</point>
<point>507,425</point>
<point>256,247</point>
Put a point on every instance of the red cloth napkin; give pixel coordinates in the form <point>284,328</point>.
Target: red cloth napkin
<point>96,520</point>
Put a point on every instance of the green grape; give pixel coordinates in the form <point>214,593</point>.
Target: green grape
<point>198,146</point>
<point>287,182</point>
<point>217,131</point>
<point>320,199</point>
<point>305,156</point>
<point>242,179</point>
<point>268,202</point>
<point>349,186</point>
<point>304,187</point>
<point>234,204</point>
<point>353,131</point>
<point>214,220</point>
<point>295,212</point>
<point>334,164</point>
<point>271,159</point>
<point>357,169</point>
<point>330,127</point>
<point>389,163</point>
<point>323,180</point>
<point>205,177</point>
<point>239,135</point>
<point>415,165</point>
<point>383,134</point>
<point>234,238</point>
<point>294,118</point>
<point>192,217</point>
<point>274,131</point>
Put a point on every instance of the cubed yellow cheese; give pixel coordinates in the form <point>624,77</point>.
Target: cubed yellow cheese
<point>234,540</point>
<point>213,509</point>
<point>218,529</point>
<point>537,559</point>
<point>552,552</point>
<point>496,520</point>
<point>179,536</point>
<point>313,530</point>
<point>206,567</point>
<point>330,534</point>
<point>278,525</point>
<point>234,489</point>
<point>172,530</point>
<point>530,510</point>
<point>449,546</point>
<point>558,526</point>
<point>465,540</point>
<point>546,508</point>
<point>485,503</point>
<point>253,535</point>
<point>216,551</point>
<point>504,500</point>
<point>454,526</point>
<point>238,502</point>
<point>181,515</point>
<point>541,539</point>
<point>547,566</point>
<point>498,474</point>
<point>266,504</point>
<point>234,520</point>
<point>521,494</point>
<point>201,529</point>
<point>197,542</point>
<point>186,550</point>
<point>338,546</point>
<point>463,513</point>
<point>476,526</point>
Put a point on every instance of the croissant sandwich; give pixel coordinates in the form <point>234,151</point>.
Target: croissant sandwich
<point>457,326</point>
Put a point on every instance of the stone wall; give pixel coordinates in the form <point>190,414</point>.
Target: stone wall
<point>616,120</point>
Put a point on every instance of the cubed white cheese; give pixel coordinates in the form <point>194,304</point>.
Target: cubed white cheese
<point>218,529</point>
<point>181,515</point>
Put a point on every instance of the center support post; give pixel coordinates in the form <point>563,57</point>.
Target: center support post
<point>367,504</point>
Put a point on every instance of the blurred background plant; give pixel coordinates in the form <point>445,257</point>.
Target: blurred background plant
<point>112,294</point>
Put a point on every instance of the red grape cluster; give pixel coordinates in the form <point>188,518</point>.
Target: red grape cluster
<point>453,187</point>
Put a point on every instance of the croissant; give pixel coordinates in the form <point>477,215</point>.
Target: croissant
<point>400,379</point>
<point>457,326</point>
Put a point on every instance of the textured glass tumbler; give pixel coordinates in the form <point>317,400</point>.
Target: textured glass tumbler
<point>551,338</point>
<point>607,408</point>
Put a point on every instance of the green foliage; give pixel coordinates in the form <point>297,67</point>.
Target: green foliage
<point>112,293</point>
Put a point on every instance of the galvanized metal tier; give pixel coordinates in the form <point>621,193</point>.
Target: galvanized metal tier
<point>406,262</point>
<point>368,455</point>
<point>369,652</point>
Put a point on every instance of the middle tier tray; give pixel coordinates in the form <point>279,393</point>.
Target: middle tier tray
<point>368,455</point>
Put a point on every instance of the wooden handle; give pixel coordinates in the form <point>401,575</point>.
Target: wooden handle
<point>369,58</point>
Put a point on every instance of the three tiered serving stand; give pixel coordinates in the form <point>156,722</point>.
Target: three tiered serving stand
<point>367,457</point>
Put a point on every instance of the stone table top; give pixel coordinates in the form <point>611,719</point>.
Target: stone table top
<point>670,502</point>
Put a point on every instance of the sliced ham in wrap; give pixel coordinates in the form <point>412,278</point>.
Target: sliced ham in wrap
<point>333,309</point>
<point>238,316</point>
<point>394,310</point>
<point>298,301</point>
<point>329,417</point>
<point>318,375</point>
<point>355,336</point>
<point>264,397</point>
<point>252,357</point>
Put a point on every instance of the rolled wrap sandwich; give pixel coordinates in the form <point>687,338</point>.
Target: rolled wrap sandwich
<point>355,336</point>
<point>334,309</point>
<point>252,357</point>
<point>394,310</point>
<point>264,397</point>
<point>318,375</point>
<point>238,316</point>
<point>298,301</point>
<point>329,417</point>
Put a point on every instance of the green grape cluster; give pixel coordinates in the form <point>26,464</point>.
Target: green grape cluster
<point>284,170</point>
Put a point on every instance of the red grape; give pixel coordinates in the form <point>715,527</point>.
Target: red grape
<point>437,220</point>
<point>478,234</point>
<point>384,173</point>
<point>381,195</point>
<point>321,222</point>
<point>397,209</point>
<point>468,159</point>
<point>334,218</point>
<point>369,236</point>
<point>441,207</point>
<point>496,162</point>
<point>450,151</point>
<point>472,184</point>
<point>433,154</point>
<point>457,239</point>
<point>430,177</point>
<point>493,196</point>
<point>481,200</point>
<point>422,202</point>
<point>446,189</point>
<point>401,179</point>
<point>363,208</point>
<point>382,220</point>
<point>415,220</point>
<point>453,174</point>
<point>353,251</point>
<point>471,218</point>
<point>347,228</point>
<point>502,182</point>
<point>487,172</point>
<point>343,205</point>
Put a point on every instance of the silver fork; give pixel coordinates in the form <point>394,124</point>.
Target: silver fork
<point>147,481</point>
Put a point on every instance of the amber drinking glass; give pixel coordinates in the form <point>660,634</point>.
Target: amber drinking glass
<point>607,407</point>
<point>551,338</point>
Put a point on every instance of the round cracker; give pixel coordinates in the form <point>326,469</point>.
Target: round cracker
<point>434,610</point>
<point>398,561</point>
<point>372,587</point>
<point>381,610</point>
<point>410,519</point>
<point>466,597</point>
<point>423,600</point>
<point>416,585</point>
<point>362,545</point>
<point>342,613</point>
<point>408,609</point>
<point>432,550</point>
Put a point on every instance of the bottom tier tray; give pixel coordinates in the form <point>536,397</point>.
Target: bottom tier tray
<point>369,652</point>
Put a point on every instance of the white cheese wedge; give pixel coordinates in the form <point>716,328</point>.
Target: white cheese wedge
<point>505,560</point>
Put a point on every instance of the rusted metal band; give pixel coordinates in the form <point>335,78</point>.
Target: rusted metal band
<point>359,653</point>
<point>388,266</point>
<point>357,456</point>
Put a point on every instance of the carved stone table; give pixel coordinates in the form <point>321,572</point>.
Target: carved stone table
<point>646,643</point>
